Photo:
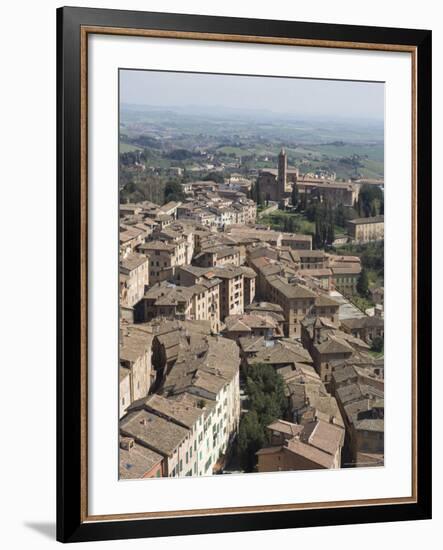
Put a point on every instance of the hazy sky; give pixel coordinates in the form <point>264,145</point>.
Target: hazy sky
<point>329,98</point>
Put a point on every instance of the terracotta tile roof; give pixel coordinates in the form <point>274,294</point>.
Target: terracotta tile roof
<point>136,460</point>
<point>153,432</point>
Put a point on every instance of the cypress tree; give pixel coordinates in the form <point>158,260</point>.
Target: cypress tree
<point>363,283</point>
<point>294,195</point>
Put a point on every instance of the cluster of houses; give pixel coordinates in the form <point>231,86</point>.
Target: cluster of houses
<point>205,294</point>
<point>185,422</point>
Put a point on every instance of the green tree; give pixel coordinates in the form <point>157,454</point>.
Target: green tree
<point>369,194</point>
<point>377,344</point>
<point>311,212</point>
<point>329,225</point>
<point>250,193</point>
<point>214,176</point>
<point>293,225</point>
<point>294,195</point>
<point>363,283</point>
<point>174,192</point>
<point>359,207</point>
<point>250,439</point>
<point>258,195</point>
<point>318,235</point>
<point>260,199</point>
<point>340,215</point>
<point>330,234</point>
<point>254,192</point>
<point>267,402</point>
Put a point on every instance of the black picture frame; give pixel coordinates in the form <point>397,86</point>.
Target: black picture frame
<point>71,525</point>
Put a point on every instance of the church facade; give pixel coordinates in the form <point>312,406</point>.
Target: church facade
<point>276,185</point>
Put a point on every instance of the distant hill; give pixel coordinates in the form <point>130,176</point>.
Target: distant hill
<point>193,119</point>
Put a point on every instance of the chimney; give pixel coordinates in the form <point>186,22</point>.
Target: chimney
<point>126,443</point>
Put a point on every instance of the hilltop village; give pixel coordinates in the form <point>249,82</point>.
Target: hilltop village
<point>241,347</point>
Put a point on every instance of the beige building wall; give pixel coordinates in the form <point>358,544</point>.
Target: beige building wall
<point>125,391</point>
<point>284,461</point>
<point>362,232</point>
<point>231,296</point>
<point>165,259</point>
<point>294,310</point>
<point>249,290</point>
<point>139,375</point>
<point>346,283</point>
<point>137,279</point>
<point>206,306</point>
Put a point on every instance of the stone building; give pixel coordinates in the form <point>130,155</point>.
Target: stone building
<point>137,461</point>
<point>211,373</point>
<point>276,185</point>
<point>168,439</point>
<point>164,257</point>
<point>314,445</point>
<point>362,407</point>
<point>297,241</point>
<point>184,410</point>
<point>280,354</point>
<point>328,345</point>
<point>136,375</point>
<point>296,301</point>
<point>366,328</point>
<point>327,308</point>
<point>231,286</point>
<point>218,256</point>
<point>134,278</point>
<point>173,338</point>
<point>129,238</point>
<point>346,272</point>
<point>364,230</point>
<point>333,192</point>
<point>308,397</point>
<point>237,326</point>
<point>200,302</point>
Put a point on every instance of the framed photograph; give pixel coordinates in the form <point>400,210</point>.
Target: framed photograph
<point>235,313</point>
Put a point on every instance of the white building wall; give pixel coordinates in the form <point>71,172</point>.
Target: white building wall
<point>124,394</point>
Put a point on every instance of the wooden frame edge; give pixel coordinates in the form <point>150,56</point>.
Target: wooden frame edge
<point>251,39</point>
<point>203,512</point>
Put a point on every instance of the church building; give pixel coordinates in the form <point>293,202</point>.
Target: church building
<point>276,185</point>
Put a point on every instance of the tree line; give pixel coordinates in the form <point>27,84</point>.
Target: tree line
<point>370,201</point>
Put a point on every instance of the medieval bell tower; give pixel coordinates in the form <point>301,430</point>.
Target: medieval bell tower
<point>282,173</point>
